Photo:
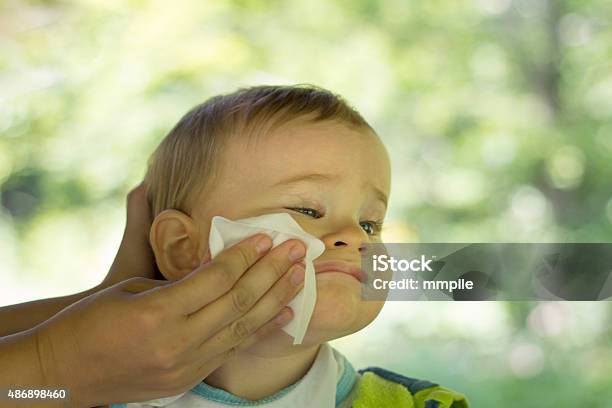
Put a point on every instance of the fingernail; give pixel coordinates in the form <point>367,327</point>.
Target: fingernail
<point>297,276</point>
<point>296,252</point>
<point>206,258</point>
<point>283,316</point>
<point>263,243</point>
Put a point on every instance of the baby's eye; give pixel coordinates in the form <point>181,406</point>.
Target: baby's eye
<point>308,211</point>
<point>372,227</point>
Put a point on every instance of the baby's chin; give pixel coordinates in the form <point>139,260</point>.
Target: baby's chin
<point>340,309</point>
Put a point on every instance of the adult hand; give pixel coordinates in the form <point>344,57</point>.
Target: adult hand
<point>143,339</point>
<point>135,257</point>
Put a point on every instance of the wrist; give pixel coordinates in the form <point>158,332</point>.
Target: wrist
<point>57,370</point>
<point>19,366</point>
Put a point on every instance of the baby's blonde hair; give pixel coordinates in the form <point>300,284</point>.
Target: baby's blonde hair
<point>186,161</point>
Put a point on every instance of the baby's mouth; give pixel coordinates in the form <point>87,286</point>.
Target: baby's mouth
<point>341,266</point>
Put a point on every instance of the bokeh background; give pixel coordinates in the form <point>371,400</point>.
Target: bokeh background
<point>497,115</point>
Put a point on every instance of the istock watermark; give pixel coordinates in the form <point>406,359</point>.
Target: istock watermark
<point>382,263</point>
<point>487,271</point>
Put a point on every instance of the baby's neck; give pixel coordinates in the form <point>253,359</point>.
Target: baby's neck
<point>252,376</point>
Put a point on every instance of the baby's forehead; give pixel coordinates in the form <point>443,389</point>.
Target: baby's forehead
<point>308,148</point>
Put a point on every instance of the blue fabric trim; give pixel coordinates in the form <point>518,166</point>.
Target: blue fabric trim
<point>346,382</point>
<point>221,396</point>
<point>118,406</point>
<point>432,404</point>
<point>412,384</point>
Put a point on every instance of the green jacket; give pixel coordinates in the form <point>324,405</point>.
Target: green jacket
<point>380,388</point>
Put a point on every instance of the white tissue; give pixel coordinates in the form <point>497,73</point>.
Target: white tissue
<point>280,228</point>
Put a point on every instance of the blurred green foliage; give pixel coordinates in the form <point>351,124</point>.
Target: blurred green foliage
<point>497,115</point>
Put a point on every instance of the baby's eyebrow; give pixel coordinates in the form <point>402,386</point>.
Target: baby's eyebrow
<point>380,195</point>
<point>314,177</point>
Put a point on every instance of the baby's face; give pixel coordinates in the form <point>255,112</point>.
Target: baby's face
<point>334,181</point>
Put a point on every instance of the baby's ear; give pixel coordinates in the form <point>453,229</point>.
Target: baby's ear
<point>175,240</point>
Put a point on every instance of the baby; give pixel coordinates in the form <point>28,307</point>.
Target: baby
<point>303,151</point>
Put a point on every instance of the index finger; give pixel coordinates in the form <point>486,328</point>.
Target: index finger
<point>213,279</point>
